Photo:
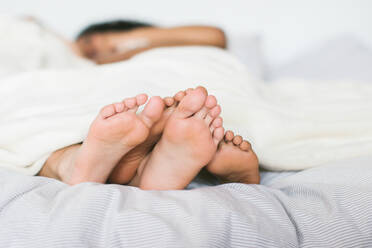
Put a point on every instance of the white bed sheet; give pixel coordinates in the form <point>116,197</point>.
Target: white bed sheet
<point>321,207</point>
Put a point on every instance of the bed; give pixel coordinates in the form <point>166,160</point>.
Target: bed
<point>318,206</point>
<point>321,207</point>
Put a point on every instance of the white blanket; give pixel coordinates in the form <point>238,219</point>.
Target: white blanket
<point>291,125</point>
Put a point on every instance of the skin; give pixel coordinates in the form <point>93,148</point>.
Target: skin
<point>107,47</point>
<point>234,161</point>
<point>131,164</point>
<point>117,130</point>
<point>163,151</point>
<point>188,143</point>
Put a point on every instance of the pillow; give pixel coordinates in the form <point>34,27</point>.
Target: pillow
<point>248,49</point>
<point>26,45</point>
<point>342,58</point>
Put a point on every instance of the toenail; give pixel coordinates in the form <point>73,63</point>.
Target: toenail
<point>245,146</point>
<point>237,140</point>
<point>119,107</point>
<point>217,122</point>
<point>215,111</point>
<point>141,99</point>
<point>211,101</point>
<point>130,102</point>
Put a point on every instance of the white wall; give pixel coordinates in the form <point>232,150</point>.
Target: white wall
<point>288,26</point>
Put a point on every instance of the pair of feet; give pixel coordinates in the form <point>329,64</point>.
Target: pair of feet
<point>163,147</point>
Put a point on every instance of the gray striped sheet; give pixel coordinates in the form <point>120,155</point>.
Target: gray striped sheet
<point>321,207</point>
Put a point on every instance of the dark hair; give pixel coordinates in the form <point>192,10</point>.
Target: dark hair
<point>112,26</point>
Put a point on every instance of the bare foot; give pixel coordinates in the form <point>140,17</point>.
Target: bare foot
<point>116,130</point>
<point>127,167</point>
<point>188,143</point>
<point>235,161</point>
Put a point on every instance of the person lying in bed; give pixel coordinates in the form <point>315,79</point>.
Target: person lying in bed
<point>118,40</point>
<point>100,43</point>
<point>162,148</point>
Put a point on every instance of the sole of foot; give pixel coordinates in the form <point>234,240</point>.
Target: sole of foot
<point>131,164</point>
<point>189,141</point>
<point>235,161</point>
<point>116,130</point>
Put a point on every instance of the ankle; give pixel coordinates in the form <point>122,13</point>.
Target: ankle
<point>57,163</point>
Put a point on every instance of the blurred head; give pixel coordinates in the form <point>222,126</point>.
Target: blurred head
<point>101,38</point>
